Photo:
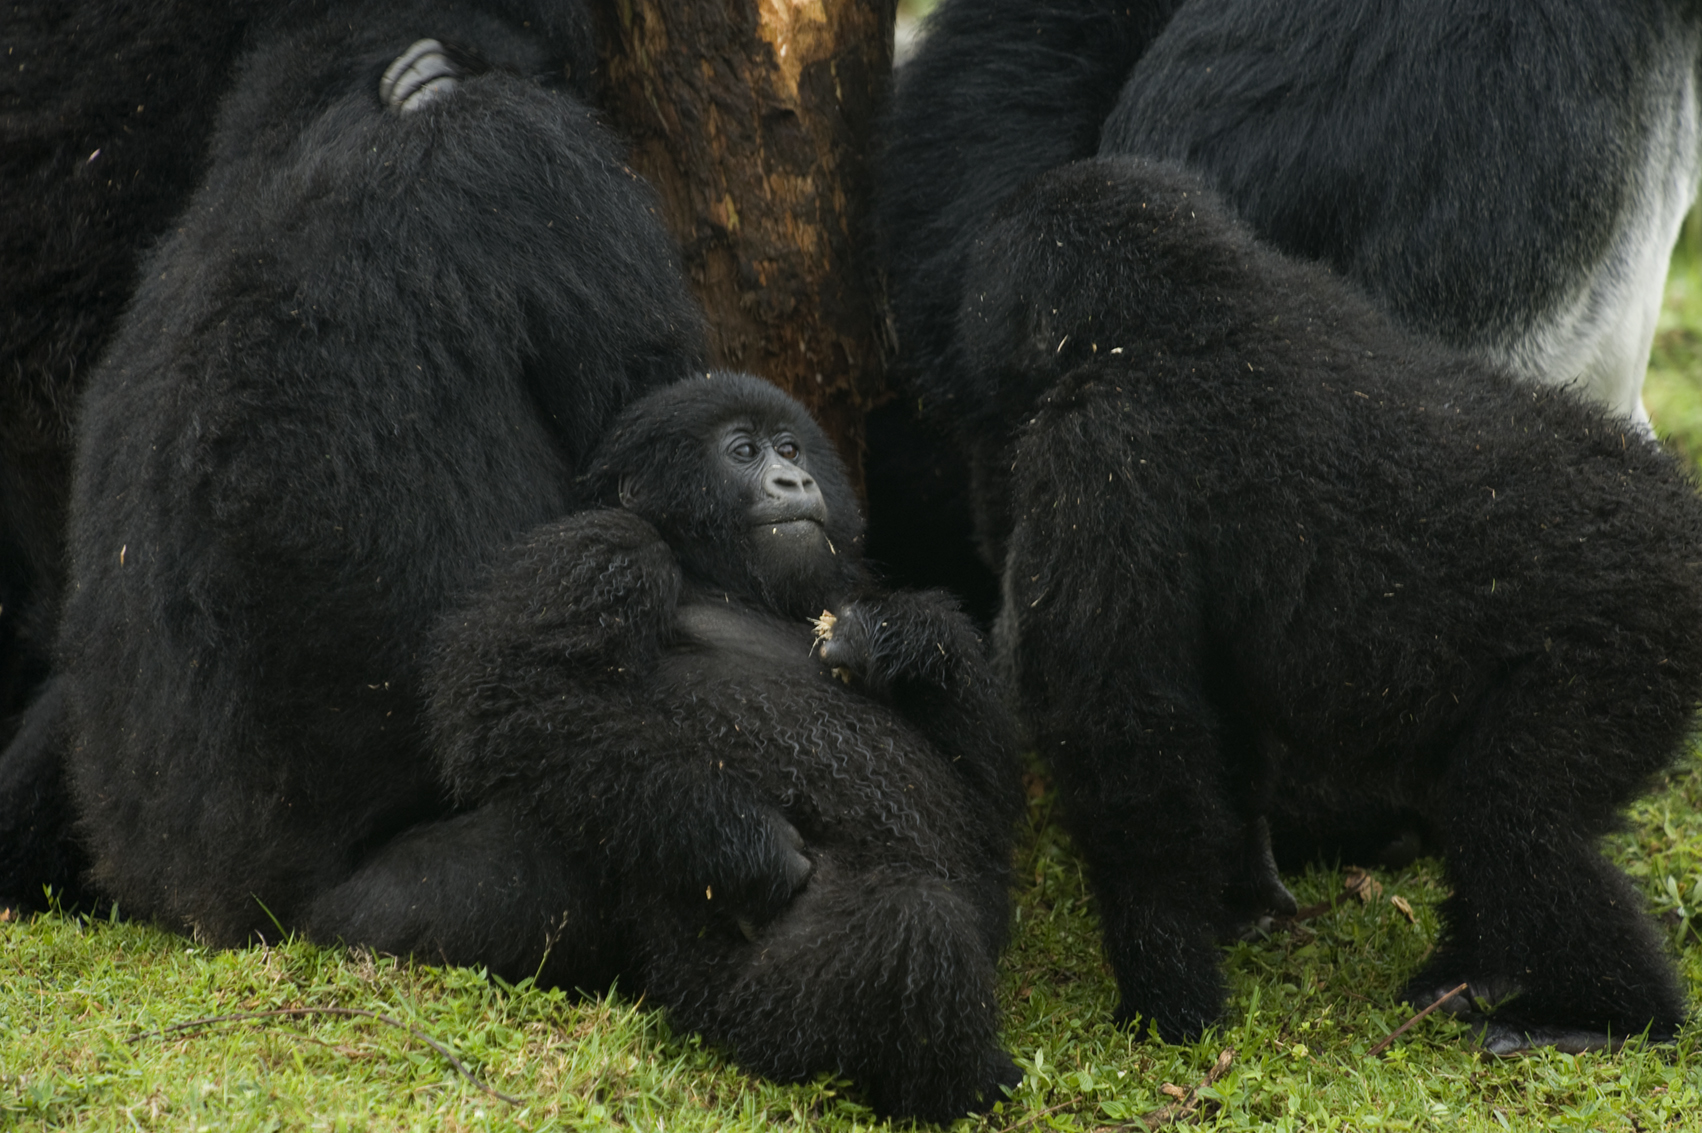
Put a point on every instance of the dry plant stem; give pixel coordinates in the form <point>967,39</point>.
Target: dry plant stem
<point>1031,1118</point>
<point>1039,1113</point>
<point>1408,1025</point>
<point>281,1012</point>
<point>1178,1110</point>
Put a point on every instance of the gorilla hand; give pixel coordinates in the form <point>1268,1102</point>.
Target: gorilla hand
<point>894,640</point>
<point>420,75</point>
<point>756,886</point>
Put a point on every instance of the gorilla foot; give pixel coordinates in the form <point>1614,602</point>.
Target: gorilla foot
<point>794,871</point>
<point>1505,1039</point>
<point>1491,1005</point>
<point>1479,996</point>
<point>796,867</point>
<point>420,75</point>
<point>1005,1074</point>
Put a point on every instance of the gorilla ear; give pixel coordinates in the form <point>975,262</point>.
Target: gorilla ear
<point>627,492</point>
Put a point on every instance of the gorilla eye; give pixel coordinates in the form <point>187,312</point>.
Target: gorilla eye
<point>745,450</point>
<point>788,449</point>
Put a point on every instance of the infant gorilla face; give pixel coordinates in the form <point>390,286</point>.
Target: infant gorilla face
<point>785,512</point>
<point>781,492</point>
<point>742,485</point>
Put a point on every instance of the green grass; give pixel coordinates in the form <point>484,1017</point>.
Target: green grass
<point>81,1005</point>
<point>1673,390</point>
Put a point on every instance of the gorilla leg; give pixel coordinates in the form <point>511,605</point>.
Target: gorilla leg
<point>1536,913</point>
<point>36,844</point>
<point>882,976</point>
<point>475,889</point>
<point>1255,892</point>
<point>1131,804</point>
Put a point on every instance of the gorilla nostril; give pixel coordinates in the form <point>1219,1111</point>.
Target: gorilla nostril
<point>788,481</point>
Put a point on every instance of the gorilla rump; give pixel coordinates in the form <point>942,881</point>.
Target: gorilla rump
<point>800,848</point>
<point>100,147</point>
<point>1329,563</point>
<point>376,348</point>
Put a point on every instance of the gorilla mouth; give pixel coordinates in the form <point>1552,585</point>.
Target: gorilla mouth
<point>799,525</point>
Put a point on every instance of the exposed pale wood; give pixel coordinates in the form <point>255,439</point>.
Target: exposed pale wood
<point>755,119</point>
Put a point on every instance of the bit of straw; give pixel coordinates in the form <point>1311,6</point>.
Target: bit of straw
<point>1187,1101</point>
<point>1407,1026</point>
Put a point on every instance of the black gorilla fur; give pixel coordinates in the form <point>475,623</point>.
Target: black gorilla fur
<point>105,108</point>
<point>376,349</point>
<point>1479,168</point>
<point>1504,177</point>
<point>1326,558</point>
<point>813,872</point>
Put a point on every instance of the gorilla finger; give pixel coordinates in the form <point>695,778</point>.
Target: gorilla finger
<point>1004,1072</point>
<point>842,653</point>
<point>1504,1040</point>
<point>796,868</point>
<point>848,646</point>
<point>421,74</point>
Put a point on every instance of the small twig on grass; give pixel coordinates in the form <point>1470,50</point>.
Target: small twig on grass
<point>1408,1025</point>
<point>1038,1114</point>
<point>356,1012</point>
<point>1310,911</point>
<point>1187,1102</point>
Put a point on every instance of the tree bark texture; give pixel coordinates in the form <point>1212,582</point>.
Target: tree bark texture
<point>755,121</point>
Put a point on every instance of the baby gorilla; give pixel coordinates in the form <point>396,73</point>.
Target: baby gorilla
<point>802,846</point>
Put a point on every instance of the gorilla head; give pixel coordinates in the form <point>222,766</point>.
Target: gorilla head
<point>743,486</point>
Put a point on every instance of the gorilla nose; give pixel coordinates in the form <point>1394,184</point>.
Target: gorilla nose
<point>792,494</point>
<point>789,482</point>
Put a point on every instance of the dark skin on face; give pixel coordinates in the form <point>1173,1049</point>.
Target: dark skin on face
<point>783,506</point>
<point>782,493</point>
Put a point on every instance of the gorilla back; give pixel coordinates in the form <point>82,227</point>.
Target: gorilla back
<point>375,349</point>
<point>1320,552</point>
<point>1504,177</point>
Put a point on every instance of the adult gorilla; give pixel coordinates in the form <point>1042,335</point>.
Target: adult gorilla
<point>101,143</point>
<point>1499,176</point>
<point>414,288</point>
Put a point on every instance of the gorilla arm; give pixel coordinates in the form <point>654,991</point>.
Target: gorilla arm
<point>549,682</point>
<point>919,652</point>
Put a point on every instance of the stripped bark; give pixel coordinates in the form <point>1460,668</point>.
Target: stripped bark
<point>755,119</point>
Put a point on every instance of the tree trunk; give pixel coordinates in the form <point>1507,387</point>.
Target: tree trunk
<point>755,120</point>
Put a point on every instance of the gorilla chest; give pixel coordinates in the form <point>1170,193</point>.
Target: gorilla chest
<point>748,691</point>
